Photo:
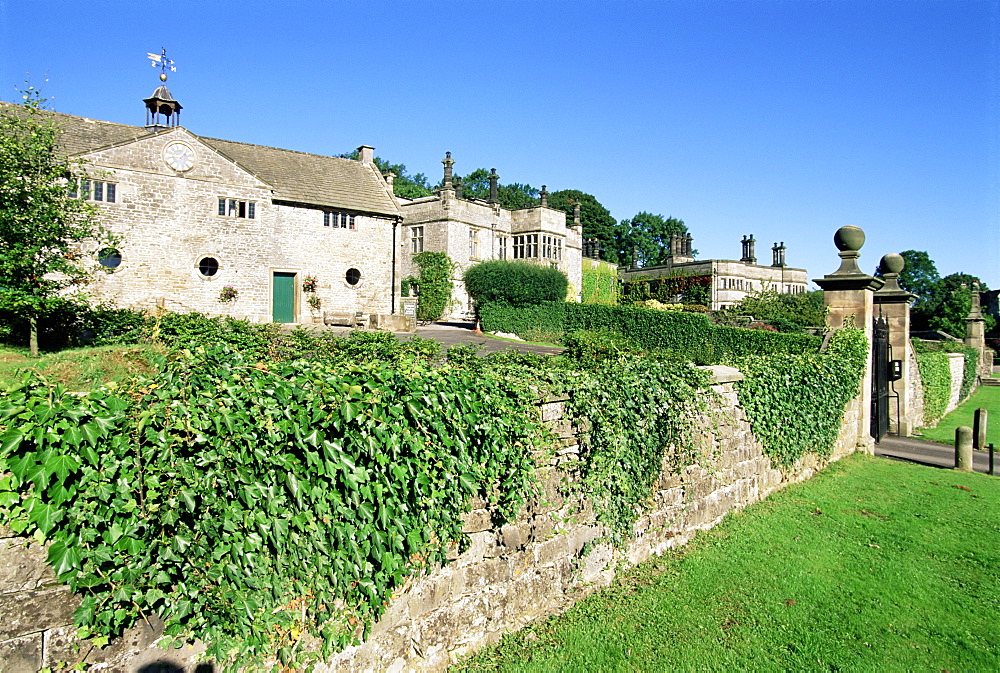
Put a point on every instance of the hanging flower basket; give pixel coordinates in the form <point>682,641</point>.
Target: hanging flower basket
<point>228,294</point>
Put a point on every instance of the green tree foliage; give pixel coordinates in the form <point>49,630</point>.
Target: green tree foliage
<point>919,274</point>
<point>513,196</point>
<point>947,305</point>
<point>405,185</point>
<point>785,312</point>
<point>516,284</point>
<point>649,236</point>
<point>435,284</point>
<point>597,222</point>
<point>42,227</point>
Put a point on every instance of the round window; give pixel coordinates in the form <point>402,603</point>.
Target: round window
<point>353,276</point>
<point>109,258</point>
<point>208,266</point>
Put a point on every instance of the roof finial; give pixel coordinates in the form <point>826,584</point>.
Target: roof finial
<point>162,62</point>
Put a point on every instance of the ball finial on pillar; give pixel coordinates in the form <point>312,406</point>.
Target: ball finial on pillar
<point>849,238</point>
<point>892,263</point>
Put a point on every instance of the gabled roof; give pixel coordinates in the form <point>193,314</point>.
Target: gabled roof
<point>297,177</point>
<point>312,179</point>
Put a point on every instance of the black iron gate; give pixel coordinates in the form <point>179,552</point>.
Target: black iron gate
<point>880,378</point>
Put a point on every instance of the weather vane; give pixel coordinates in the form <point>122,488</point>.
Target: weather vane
<point>163,63</point>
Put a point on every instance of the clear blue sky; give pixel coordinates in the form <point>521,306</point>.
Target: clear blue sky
<point>785,119</point>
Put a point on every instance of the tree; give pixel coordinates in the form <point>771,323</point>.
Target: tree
<point>513,196</point>
<point>43,226</point>
<point>919,274</point>
<point>785,312</point>
<point>405,185</point>
<point>597,222</point>
<point>947,305</point>
<point>649,235</point>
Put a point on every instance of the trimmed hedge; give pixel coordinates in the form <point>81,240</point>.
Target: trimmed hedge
<point>514,283</point>
<point>689,334</point>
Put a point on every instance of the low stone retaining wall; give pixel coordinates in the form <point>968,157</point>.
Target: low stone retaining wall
<point>556,553</point>
<point>553,554</point>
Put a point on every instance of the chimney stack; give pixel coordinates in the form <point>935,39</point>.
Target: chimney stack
<point>448,163</point>
<point>494,178</point>
<point>366,154</point>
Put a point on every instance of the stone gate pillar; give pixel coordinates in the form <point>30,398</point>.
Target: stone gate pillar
<point>893,303</point>
<point>847,294</point>
<point>975,332</point>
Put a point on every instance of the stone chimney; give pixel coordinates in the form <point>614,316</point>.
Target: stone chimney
<point>458,187</point>
<point>448,163</point>
<point>576,214</point>
<point>366,154</point>
<point>778,254</point>
<point>494,180</point>
<point>390,177</point>
<point>748,255</point>
<point>544,196</point>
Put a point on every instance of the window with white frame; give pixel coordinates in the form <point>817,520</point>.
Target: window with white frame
<point>473,243</point>
<point>339,220</point>
<point>237,208</point>
<point>502,247</point>
<point>526,246</point>
<point>416,240</point>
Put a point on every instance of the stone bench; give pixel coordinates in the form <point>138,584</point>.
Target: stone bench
<point>345,319</point>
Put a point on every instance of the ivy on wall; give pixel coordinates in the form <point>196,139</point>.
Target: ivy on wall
<point>935,374</point>
<point>435,284</point>
<point>795,402</point>
<point>252,498</point>
<point>250,504</point>
<point>691,289</point>
<point>640,413</point>
<point>599,284</point>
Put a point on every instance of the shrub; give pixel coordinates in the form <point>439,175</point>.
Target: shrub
<point>435,284</point>
<point>514,283</point>
<point>684,334</point>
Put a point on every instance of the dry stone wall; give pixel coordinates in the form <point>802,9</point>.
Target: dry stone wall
<point>554,553</point>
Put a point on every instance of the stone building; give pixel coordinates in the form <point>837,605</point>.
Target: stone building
<point>196,215</point>
<point>268,234</point>
<point>472,231</point>
<point>731,280</point>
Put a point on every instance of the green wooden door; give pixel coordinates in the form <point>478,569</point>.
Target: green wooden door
<point>283,297</point>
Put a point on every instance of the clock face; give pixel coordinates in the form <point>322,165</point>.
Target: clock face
<point>179,156</point>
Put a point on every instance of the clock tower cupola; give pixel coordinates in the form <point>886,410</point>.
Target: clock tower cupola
<point>162,111</point>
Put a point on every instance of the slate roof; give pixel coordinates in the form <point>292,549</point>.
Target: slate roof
<point>298,177</point>
<point>312,179</point>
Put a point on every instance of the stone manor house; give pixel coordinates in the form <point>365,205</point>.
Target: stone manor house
<point>294,235</point>
<point>731,280</point>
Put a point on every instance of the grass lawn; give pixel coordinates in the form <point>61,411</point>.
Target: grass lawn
<point>987,397</point>
<point>78,368</point>
<point>871,565</point>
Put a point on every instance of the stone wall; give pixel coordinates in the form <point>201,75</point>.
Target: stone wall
<point>552,555</point>
<point>168,223</point>
<point>916,389</point>
<point>447,223</point>
<point>956,367</point>
<point>555,552</point>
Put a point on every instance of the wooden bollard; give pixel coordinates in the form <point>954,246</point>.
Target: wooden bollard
<point>979,424</point>
<point>963,448</point>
